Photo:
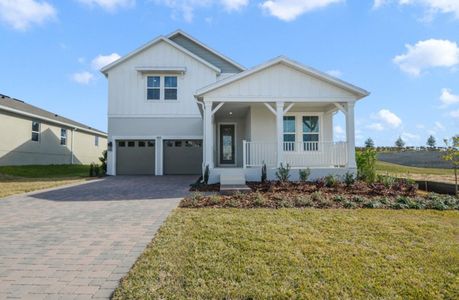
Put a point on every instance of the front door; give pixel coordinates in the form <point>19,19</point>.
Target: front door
<point>227,144</point>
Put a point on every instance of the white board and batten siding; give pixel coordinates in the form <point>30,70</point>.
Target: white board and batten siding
<point>270,84</point>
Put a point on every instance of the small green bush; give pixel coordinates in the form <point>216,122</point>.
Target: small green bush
<point>330,181</point>
<point>358,199</point>
<point>283,173</point>
<point>387,181</point>
<point>214,199</point>
<point>264,173</point>
<point>349,204</point>
<point>339,198</point>
<point>304,174</point>
<point>303,201</point>
<point>260,200</point>
<point>349,179</point>
<point>366,164</point>
<point>317,196</point>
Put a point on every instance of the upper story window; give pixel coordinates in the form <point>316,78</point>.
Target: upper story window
<point>161,87</point>
<point>170,87</point>
<point>96,141</point>
<point>35,131</point>
<point>63,136</point>
<point>289,133</point>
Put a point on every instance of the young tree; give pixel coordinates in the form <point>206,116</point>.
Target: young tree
<point>452,155</point>
<point>369,143</point>
<point>400,143</point>
<point>431,142</point>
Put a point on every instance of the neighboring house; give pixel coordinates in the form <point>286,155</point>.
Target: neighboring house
<point>32,136</point>
<point>176,106</point>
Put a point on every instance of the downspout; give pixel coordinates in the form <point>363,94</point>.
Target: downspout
<point>71,148</point>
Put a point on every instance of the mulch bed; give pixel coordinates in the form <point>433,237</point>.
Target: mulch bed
<point>274,194</point>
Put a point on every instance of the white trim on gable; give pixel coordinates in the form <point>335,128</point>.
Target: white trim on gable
<point>224,57</point>
<point>359,92</point>
<point>105,69</point>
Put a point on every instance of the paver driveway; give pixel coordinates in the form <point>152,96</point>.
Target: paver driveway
<point>78,242</point>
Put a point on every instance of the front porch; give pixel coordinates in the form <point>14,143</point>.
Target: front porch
<point>280,112</point>
<point>247,136</point>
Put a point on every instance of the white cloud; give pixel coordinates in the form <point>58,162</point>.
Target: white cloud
<point>447,97</point>
<point>432,6</point>
<point>410,137</point>
<point>231,5</point>
<point>109,5</point>
<point>21,14</point>
<point>454,113</point>
<point>420,126</point>
<point>289,10</point>
<point>335,73</point>
<point>102,60</point>
<point>185,8</point>
<point>83,77</point>
<point>376,126</point>
<point>338,129</point>
<point>389,118</point>
<point>428,54</point>
<point>439,126</point>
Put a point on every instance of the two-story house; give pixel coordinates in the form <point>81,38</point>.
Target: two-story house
<point>176,106</point>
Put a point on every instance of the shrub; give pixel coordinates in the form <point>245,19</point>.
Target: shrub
<point>366,164</point>
<point>264,173</point>
<point>349,179</point>
<point>303,201</point>
<point>260,200</point>
<point>330,181</point>
<point>94,170</point>
<point>358,199</point>
<point>387,181</point>
<point>339,198</point>
<point>372,204</point>
<point>214,199</point>
<point>283,173</point>
<point>206,174</point>
<point>349,204</point>
<point>304,174</point>
<point>195,198</point>
<point>317,196</point>
<point>103,162</point>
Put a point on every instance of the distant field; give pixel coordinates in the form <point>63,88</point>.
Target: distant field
<point>430,174</point>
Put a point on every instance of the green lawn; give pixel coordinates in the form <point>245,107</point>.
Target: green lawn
<point>384,167</point>
<point>46,171</point>
<point>299,253</point>
<point>23,179</point>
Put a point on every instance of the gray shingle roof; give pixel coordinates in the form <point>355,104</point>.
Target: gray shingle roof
<point>38,112</point>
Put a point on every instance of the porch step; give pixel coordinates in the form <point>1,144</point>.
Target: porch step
<point>232,177</point>
<point>229,189</point>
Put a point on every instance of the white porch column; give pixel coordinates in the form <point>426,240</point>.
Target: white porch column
<point>208,136</point>
<point>280,131</point>
<point>350,135</point>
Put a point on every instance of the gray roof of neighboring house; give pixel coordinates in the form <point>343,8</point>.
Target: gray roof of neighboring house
<point>37,112</point>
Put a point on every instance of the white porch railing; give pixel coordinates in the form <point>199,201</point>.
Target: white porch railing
<point>296,154</point>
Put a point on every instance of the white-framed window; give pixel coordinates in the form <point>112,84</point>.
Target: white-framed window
<point>289,133</point>
<point>35,131</point>
<point>162,87</point>
<point>96,141</point>
<point>311,132</point>
<point>63,136</point>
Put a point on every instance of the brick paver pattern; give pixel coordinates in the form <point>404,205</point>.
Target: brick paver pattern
<point>78,242</point>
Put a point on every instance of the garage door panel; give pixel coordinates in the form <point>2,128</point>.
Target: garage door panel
<point>135,157</point>
<point>182,157</point>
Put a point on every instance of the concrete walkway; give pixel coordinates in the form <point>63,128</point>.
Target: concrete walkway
<point>78,242</point>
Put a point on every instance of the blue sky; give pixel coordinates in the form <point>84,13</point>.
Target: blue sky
<point>405,52</point>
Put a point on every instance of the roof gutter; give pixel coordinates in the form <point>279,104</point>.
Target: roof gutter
<point>19,112</point>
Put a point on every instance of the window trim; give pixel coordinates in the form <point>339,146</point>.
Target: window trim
<point>162,88</point>
<point>37,132</point>
<point>63,137</point>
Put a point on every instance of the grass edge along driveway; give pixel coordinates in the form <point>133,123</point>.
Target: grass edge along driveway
<point>24,179</point>
<point>306,253</point>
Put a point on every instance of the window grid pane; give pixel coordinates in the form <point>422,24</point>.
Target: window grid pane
<point>170,94</point>
<point>170,81</point>
<point>289,124</point>
<point>310,124</point>
<point>153,94</point>
<point>153,81</point>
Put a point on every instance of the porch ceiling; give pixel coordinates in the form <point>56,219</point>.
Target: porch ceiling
<point>237,110</point>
